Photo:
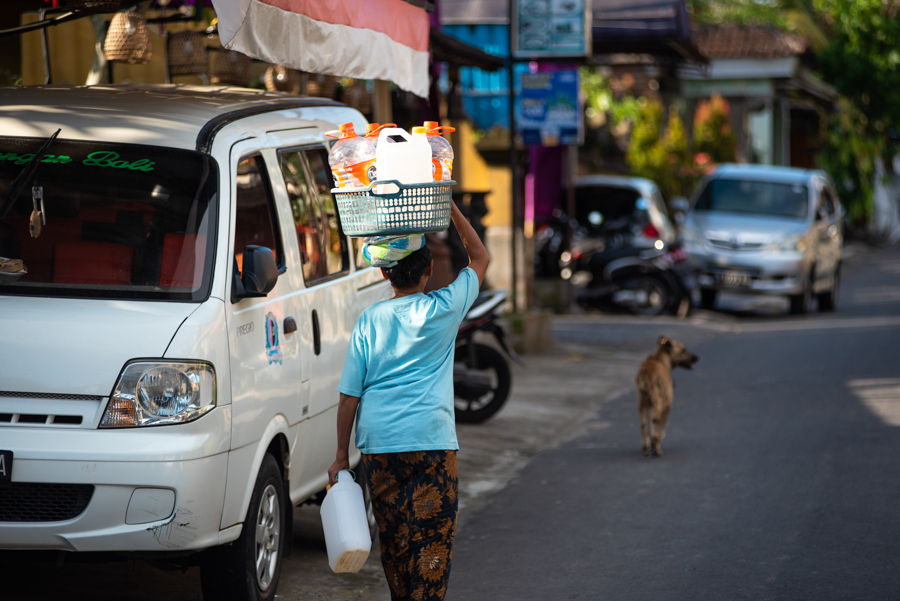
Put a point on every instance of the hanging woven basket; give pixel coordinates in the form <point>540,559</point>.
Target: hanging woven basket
<point>282,79</point>
<point>232,68</point>
<point>94,6</point>
<point>357,96</point>
<point>324,86</point>
<point>128,39</point>
<point>188,53</point>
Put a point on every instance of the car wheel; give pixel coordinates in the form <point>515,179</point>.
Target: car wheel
<point>651,296</point>
<point>801,303</point>
<point>828,300</point>
<point>708,298</point>
<point>249,568</point>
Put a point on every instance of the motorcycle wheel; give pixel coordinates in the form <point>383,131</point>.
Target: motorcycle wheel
<point>651,296</point>
<point>494,366</point>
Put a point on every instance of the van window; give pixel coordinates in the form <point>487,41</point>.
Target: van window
<point>122,221</point>
<point>323,246</point>
<point>336,251</point>
<point>255,219</point>
<point>752,197</point>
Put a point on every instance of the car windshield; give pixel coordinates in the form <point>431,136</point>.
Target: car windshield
<point>769,199</point>
<point>608,205</point>
<point>121,221</point>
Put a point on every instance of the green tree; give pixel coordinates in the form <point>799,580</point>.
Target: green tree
<point>644,150</point>
<point>849,157</point>
<point>664,157</point>
<point>862,61</point>
<point>678,178</point>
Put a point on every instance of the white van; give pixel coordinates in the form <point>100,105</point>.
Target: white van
<point>171,349</point>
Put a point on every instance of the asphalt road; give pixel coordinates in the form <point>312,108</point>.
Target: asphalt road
<point>779,478</point>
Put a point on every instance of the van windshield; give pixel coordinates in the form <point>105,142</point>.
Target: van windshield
<point>751,197</point>
<point>122,221</point>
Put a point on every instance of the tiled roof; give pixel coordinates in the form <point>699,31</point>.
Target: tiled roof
<point>748,41</point>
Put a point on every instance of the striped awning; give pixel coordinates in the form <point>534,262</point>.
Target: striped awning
<point>365,39</point>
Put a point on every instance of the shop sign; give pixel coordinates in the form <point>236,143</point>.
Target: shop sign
<point>551,28</point>
<point>550,108</point>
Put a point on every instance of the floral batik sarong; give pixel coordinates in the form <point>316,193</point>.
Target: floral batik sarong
<point>414,496</point>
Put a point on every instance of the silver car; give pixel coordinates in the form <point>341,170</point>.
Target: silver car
<point>767,230</point>
<point>632,205</point>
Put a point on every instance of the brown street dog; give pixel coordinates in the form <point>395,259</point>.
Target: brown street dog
<point>655,390</point>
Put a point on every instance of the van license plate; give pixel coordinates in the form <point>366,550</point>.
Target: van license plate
<point>6,458</point>
<point>736,279</point>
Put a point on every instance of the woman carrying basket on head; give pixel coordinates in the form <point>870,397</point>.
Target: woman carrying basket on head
<point>398,386</point>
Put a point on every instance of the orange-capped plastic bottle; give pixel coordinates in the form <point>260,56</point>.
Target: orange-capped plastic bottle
<point>352,158</point>
<point>441,151</point>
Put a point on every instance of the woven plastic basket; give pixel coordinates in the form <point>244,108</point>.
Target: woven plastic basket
<point>187,53</point>
<point>231,68</point>
<point>413,209</point>
<point>128,39</point>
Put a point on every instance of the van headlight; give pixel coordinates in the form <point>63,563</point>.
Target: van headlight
<point>150,393</point>
<point>793,243</point>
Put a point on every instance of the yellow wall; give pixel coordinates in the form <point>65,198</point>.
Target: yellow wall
<point>72,55</point>
<point>71,52</point>
<point>476,175</point>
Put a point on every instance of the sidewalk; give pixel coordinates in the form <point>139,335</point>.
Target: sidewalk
<point>553,400</point>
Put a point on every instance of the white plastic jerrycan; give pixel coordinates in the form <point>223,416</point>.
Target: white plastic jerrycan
<point>407,160</point>
<point>346,527</point>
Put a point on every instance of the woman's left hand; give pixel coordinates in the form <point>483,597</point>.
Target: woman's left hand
<point>338,465</point>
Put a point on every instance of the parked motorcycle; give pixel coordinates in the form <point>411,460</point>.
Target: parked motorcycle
<point>611,273</point>
<point>481,375</point>
<point>549,243</point>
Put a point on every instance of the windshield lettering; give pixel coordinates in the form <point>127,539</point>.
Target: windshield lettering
<point>104,158</point>
<point>108,158</point>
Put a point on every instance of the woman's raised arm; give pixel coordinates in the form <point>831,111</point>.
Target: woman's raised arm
<point>478,255</point>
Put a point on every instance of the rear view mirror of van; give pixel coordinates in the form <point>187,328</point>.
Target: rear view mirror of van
<point>258,274</point>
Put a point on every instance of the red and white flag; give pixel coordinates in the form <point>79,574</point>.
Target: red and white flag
<point>365,39</point>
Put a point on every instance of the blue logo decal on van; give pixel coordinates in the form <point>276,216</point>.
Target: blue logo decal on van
<point>273,349</point>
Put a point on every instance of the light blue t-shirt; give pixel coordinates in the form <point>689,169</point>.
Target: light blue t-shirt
<point>400,364</point>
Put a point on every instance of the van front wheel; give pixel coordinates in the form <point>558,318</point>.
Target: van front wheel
<point>248,569</point>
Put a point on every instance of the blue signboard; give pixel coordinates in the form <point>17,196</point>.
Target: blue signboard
<point>550,109</point>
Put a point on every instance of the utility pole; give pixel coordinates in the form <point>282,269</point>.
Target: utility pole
<point>513,160</point>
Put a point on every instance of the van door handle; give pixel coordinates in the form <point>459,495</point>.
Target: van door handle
<point>290,325</point>
<point>317,339</point>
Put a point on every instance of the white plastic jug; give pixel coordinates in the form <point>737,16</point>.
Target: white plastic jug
<point>346,527</point>
<point>408,160</point>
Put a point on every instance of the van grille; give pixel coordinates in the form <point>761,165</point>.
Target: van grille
<point>38,502</point>
<point>40,419</point>
<point>49,395</point>
<point>735,244</point>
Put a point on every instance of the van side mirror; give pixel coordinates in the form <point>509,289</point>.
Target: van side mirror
<point>259,274</point>
<point>821,214</point>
